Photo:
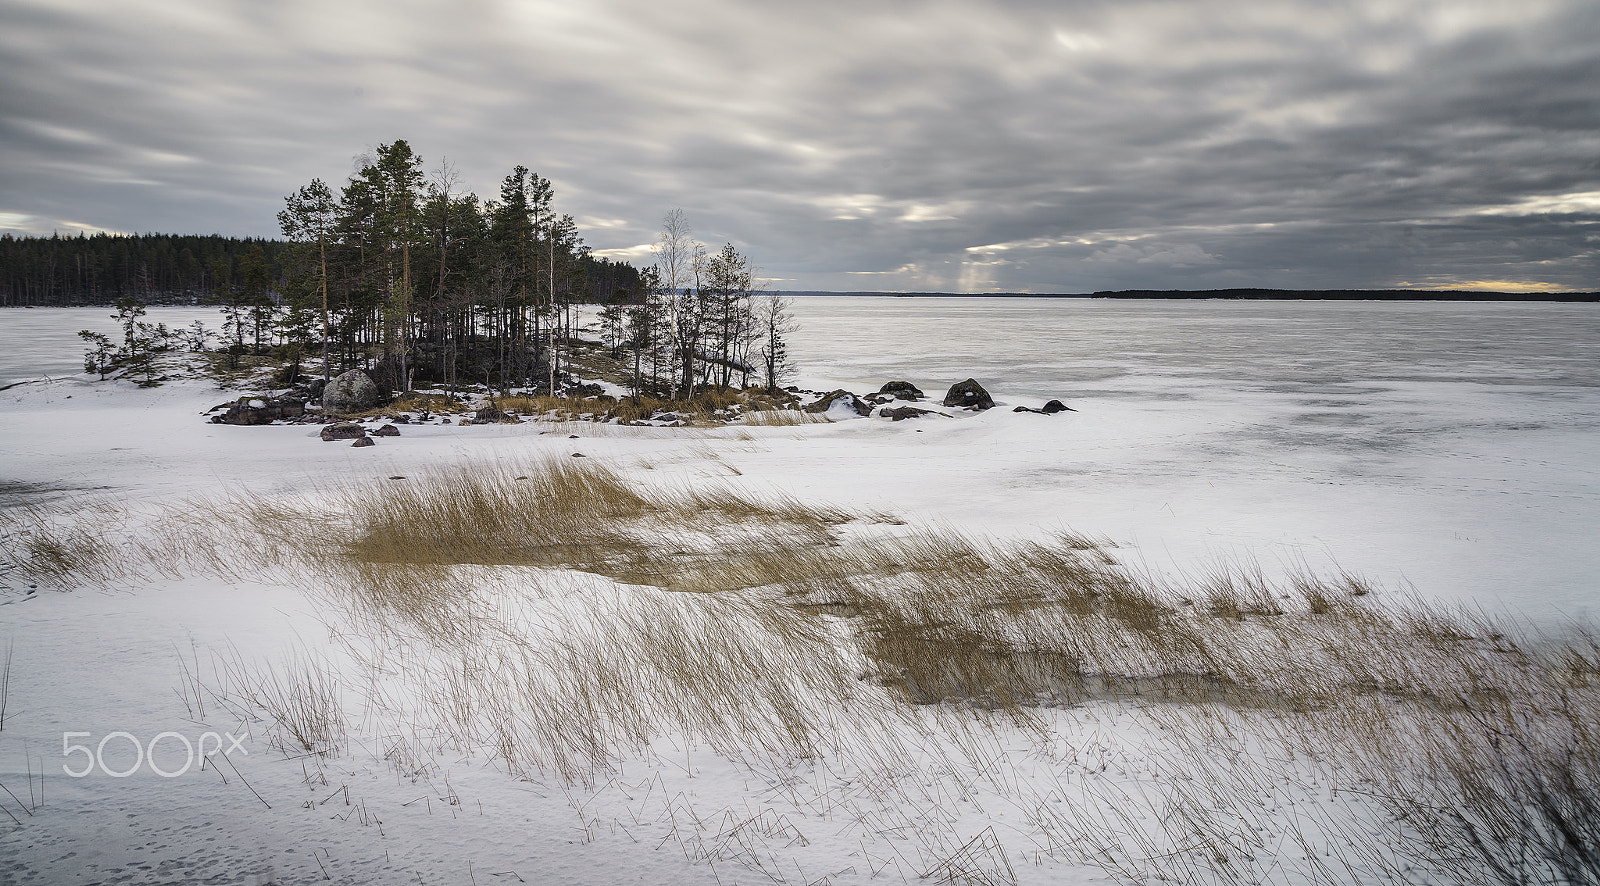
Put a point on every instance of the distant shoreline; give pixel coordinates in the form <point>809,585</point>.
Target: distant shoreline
<point>1462,295</point>
<point>1396,295</point>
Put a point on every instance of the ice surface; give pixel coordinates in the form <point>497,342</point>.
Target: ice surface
<point>38,342</point>
<point>1449,445</point>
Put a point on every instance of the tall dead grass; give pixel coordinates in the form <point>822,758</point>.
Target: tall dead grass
<point>783,418</point>
<point>541,613</point>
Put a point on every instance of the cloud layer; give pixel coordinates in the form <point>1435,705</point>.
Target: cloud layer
<point>962,145</point>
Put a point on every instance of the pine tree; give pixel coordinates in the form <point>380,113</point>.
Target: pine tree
<point>309,218</point>
<point>726,303</point>
<point>775,323</point>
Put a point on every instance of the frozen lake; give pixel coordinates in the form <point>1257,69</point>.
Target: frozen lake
<point>38,342</point>
<point>1448,446</point>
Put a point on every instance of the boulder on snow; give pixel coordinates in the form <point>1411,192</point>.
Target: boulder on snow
<point>363,441</point>
<point>901,390</point>
<point>343,430</point>
<point>1055,406</point>
<point>350,392</point>
<point>968,394</point>
<point>387,431</point>
<point>844,400</point>
<point>904,412</point>
<point>260,410</point>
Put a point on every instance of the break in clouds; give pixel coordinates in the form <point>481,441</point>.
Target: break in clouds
<point>958,146</point>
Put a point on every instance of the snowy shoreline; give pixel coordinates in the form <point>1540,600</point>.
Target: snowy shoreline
<point>141,656</point>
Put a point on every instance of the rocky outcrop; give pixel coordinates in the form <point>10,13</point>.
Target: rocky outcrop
<point>261,411</point>
<point>387,431</point>
<point>350,392</point>
<point>900,390</point>
<point>1051,408</point>
<point>343,430</point>
<point>844,399</point>
<point>489,415</point>
<point>969,395</point>
<point>904,412</point>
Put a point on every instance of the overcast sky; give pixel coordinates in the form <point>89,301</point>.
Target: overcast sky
<point>954,146</point>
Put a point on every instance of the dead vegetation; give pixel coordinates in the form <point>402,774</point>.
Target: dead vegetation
<point>558,618</point>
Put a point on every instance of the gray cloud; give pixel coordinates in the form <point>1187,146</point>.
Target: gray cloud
<point>942,145</point>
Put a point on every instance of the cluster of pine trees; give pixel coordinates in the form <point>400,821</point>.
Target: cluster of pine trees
<point>418,282</point>
<point>404,275</point>
<point>701,321</point>
<point>152,268</point>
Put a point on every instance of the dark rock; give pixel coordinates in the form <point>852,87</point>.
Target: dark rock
<point>489,415</point>
<point>904,412</point>
<point>364,441</point>
<point>402,419</point>
<point>901,390</point>
<point>579,455</point>
<point>968,394</point>
<point>315,389</point>
<point>1051,408</point>
<point>350,392</point>
<point>343,430</point>
<point>387,431</point>
<point>826,401</point>
<point>260,411</point>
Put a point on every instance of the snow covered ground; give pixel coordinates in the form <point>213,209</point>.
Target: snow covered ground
<point>1445,446</point>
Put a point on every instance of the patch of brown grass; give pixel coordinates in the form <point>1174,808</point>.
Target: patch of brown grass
<point>1482,743</point>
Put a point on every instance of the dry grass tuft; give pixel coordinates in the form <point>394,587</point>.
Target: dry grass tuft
<point>783,418</point>
<point>303,698</point>
<point>62,544</point>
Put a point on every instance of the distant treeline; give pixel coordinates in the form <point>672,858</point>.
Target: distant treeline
<point>158,269</point>
<point>99,269</point>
